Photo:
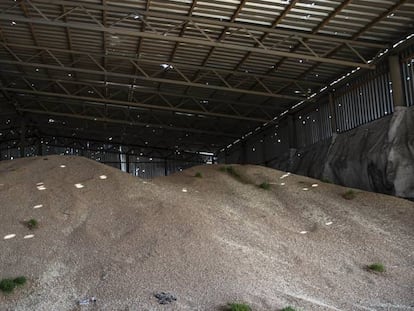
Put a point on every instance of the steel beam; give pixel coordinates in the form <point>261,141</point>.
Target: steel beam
<point>189,40</point>
<point>170,17</point>
<point>186,82</point>
<point>137,90</point>
<point>137,62</point>
<point>134,104</point>
<point>397,85</point>
<point>125,122</point>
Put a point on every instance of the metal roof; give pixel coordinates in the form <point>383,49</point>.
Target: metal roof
<point>182,74</point>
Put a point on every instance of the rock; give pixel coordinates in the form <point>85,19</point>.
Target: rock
<point>164,298</point>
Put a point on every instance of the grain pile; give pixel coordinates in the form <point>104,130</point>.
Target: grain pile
<point>205,241</point>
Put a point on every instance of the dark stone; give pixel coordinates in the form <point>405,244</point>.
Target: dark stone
<point>165,298</point>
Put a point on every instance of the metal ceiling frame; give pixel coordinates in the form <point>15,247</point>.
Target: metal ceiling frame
<point>41,79</point>
<point>91,113</point>
<point>97,97</point>
<point>356,35</point>
<point>173,67</point>
<point>205,40</point>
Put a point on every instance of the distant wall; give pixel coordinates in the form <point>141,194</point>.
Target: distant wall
<point>357,136</point>
<point>378,156</point>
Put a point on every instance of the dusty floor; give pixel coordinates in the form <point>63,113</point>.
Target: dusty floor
<point>208,241</point>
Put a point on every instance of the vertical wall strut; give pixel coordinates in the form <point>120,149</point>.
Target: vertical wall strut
<point>292,132</point>
<point>127,163</point>
<point>332,113</point>
<point>165,167</point>
<point>39,148</point>
<point>22,137</point>
<point>397,88</point>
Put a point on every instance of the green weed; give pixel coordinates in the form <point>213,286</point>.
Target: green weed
<point>349,195</point>
<point>32,224</point>
<point>239,307</point>
<point>264,185</point>
<point>377,267</point>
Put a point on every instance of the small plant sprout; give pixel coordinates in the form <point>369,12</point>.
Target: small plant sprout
<point>349,195</point>
<point>32,224</point>
<point>326,180</point>
<point>264,185</point>
<point>20,280</point>
<point>376,267</point>
<point>7,285</point>
<point>239,307</point>
<point>198,175</point>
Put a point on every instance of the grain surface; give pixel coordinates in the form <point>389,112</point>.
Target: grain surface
<point>206,240</point>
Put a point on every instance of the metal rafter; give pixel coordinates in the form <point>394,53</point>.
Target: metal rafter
<point>355,36</point>
<point>92,86</point>
<point>338,9</point>
<point>178,79</point>
<point>140,43</point>
<point>98,112</point>
<point>96,96</point>
<point>182,31</point>
<point>97,145</point>
<point>265,35</point>
<point>126,136</point>
<point>204,40</point>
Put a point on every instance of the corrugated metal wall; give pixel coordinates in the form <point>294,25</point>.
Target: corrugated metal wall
<point>361,100</point>
<point>143,167</point>
<point>365,99</point>
<point>313,126</point>
<point>407,65</point>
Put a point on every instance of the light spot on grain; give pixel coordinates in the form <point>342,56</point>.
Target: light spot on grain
<point>305,189</point>
<point>329,223</point>
<point>38,206</point>
<point>103,177</point>
<point>303,232</point>
<point>314,185</point>
<point>29,236</point>
<point>284,176</point>
<point>9,236</point>
<point>184,190</point>
<point>79,186</point>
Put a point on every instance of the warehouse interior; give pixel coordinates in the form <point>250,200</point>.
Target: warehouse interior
<point>211,155</point>
<point>154,87</point>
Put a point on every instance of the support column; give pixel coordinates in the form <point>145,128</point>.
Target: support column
<point>39,148</point>
<point>127,168</point>
<point>165,167</point>
<point>397,87</point>
<point>22,137</point>
<point>292,132</point>
<point>332,113</point>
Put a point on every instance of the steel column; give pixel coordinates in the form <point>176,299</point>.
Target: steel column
<point>397,87</point>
